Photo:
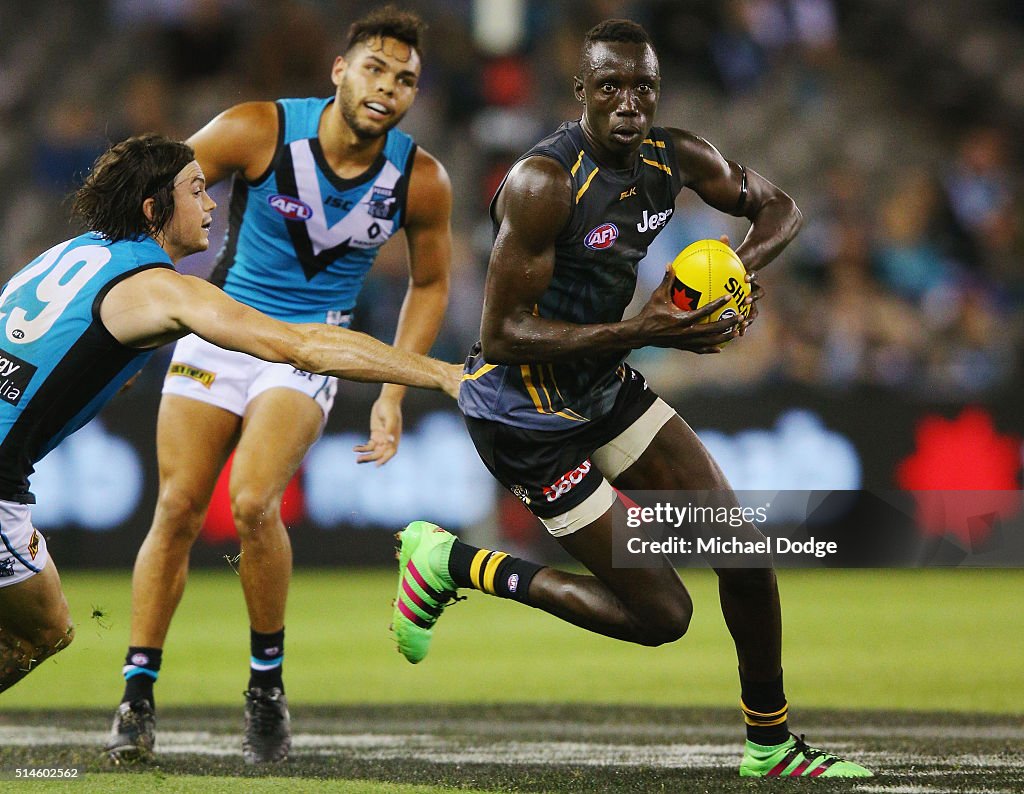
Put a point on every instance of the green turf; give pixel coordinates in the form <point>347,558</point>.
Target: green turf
<point>921,639</point>
<point>160,783</point>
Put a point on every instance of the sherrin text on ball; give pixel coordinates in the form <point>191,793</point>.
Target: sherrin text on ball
<point>705,271</point>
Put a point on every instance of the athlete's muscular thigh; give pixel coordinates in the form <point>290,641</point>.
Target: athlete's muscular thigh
<point>646,605</point>
<point>34,624</point>
<point>194,440</point>
<point>675,460</point>
<point>279,427</point>
<point>35,609</point>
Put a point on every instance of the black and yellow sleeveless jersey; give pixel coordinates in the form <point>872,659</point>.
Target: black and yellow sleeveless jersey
<point>615,216</point>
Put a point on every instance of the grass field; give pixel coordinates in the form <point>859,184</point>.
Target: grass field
<point>917,673</point>
<point>554,748</point>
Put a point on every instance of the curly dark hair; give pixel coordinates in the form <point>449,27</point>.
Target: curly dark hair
<point>406,26</point>
<point>110,199</point>
<point>612,30</point>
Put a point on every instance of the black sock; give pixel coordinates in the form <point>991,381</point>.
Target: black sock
<point>765,710</point>
<point>267,660</point>
<point>141,668</point>
<point>493,572</point>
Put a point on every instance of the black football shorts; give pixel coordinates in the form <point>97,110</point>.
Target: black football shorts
<point>552,471</point>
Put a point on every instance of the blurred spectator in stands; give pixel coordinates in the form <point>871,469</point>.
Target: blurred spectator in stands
<point>980,190</point>
<point>203,41</point>
<point>70,138</point>
<point>147,105</point>
<point>752,37</point>
<point>685,30</point>
<point>872,334</point>
<point>842,199</point>
<point>886,260</point>
<point>740,59</point>
<point>976,353</point>
<point>910,256</point>
<point>293,40</point>
<point>452,72</point>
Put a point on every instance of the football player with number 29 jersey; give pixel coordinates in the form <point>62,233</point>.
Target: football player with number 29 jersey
<point>83,317</point>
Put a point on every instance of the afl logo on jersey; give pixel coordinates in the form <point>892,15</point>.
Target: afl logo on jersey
<point>292,208</point>
<point>601,237</point>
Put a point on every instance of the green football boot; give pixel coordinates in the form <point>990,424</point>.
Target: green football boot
<point>424,586</point>
<point>793,758</point>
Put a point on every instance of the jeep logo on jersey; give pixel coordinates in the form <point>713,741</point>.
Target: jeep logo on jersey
<point>653,221</point>
<point>601,237</point>
<point>15,376</point>
<point>292,208</point>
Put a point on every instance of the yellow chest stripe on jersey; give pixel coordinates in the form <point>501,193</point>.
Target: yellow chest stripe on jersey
<point>576,167</point>
<point>656,164</point>
<point>583,189</point>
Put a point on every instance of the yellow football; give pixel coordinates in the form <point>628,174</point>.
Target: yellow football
<point>705,271</point>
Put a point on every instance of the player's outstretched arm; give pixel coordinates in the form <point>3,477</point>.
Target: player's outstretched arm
<point>159,305</point>
<point>535,203</point>
<point>773,215</point>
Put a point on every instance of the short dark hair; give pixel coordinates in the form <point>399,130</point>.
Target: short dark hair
<point>613,30</point>
<point>405,26</point>
<point>122,178</point>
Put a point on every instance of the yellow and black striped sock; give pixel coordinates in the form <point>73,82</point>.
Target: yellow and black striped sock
<point>493,572</point>
<point>765,711</point>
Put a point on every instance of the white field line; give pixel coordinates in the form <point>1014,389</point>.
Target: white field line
<point>469,749</point>
<point>904,789</point>
<point>815,734</point>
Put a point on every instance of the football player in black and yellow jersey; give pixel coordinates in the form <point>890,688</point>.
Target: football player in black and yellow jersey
<point>559,417</point>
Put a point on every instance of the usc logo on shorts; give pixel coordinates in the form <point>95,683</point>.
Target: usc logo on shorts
<point>567,481</point>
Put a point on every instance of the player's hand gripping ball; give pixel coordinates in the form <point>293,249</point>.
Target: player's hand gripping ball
<point>706,270</point>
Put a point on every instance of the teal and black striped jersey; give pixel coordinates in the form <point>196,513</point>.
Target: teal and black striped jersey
<point>615,216</point>
<point>300,238</point>
<point>58,363</point>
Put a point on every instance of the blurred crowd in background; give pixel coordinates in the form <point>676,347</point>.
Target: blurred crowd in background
<point>897,127</point>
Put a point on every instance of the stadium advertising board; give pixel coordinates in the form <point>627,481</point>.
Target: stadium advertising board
<point>913,484</point>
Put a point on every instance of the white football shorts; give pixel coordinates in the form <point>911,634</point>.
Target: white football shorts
<point>231,380</point>
<point>23,551</point>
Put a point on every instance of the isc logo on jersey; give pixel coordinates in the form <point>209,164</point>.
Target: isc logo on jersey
<point>601,237</point>
<point>291,208</point>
